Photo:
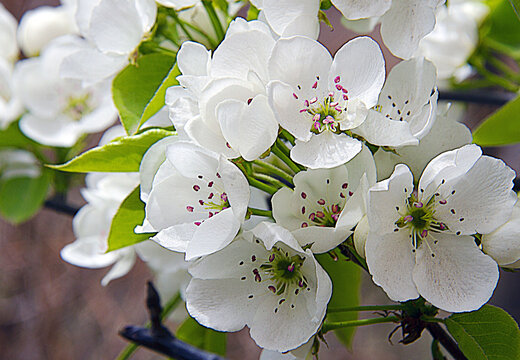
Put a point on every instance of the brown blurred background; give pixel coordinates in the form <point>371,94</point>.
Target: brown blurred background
<point>52,310</point>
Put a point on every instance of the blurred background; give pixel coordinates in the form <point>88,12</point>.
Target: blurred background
<point>52,310</point>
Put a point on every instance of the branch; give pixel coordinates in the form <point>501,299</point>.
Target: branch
<point>478,97</point>
<point>159,338</point>
<point>58,204</point>
<point>447,342</point>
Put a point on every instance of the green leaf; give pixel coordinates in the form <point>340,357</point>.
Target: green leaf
<point>135,86</point>
<point>158,100</point>
<point>488,333</point>
<point>13,137</point>
<point>500,128</point>
<point>346,281</point>
<point>22,197</point>
<point>515,4</point>
<point>120,155</point>
<point>197,335</point>
<point>129,215</point>
<point>503,25</point>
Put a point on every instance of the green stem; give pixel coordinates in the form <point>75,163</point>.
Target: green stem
<point>499,65</point>
<point>479,65</point>
<point>275,170</point>
<point>286,159</point>
<point>175,17</point>
<point>273,181</point>
<point>343,324</point>
<point>168,308</point>
<point>260,212</point>
<point>287,136</point>
<point>366,308</point>
<point>262,186</point>
<point>211,41</point>
<point>213,17</point>
<point>281,145</point>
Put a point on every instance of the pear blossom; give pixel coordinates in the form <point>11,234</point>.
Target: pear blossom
<point>447,133</point>
<point>99,57</point>
<point>60,110</point>
<point>11,106</point>
<point>403,22</point>
<point>221,102</point>
<point>454,37</point>
<point>326,203</point>
<point>8,26</point>
<point>420,242</point>
<point>503,244</point>
<point>324,102</point>
<point>44,23</point>
<point>104,193</point>
<point>205,211</point>
<point>264,280</point>
<point>408,101</point>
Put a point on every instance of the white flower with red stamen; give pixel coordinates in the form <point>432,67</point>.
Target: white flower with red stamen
<point>268,283</point>
<point>420,241</point>
<point>197,202</point>
<point>403,22</point>
<point>323,101</point>
<point>503,244</point>
<point>221,101</point>
<point>326,203</point>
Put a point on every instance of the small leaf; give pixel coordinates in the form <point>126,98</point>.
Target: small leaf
<point>136,85</point>
<point>13,137</point>
<point>503,24</point>
<point>120,155</point>
<point>197,335</point>
<point>346,281</point>
<point>22,197</point>
<point>157,102</point>
<point>130,214</point>
<point>516,7</point>
<point>501,127</point>
<point>488,333</point>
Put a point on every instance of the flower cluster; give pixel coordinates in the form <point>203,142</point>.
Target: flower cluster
<point>256,150</point>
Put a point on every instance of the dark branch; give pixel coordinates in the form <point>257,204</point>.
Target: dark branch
<point>159,338</point>
<point>58,204</point>
<point>478,97</point>
<point>446,341</point>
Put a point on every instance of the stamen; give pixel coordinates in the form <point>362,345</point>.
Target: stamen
<point>337,79</point>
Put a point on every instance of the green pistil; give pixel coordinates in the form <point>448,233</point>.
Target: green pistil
<point>284,270</point>
<point>324,117</point>
<point>77,107</point>
<point>327,217</point>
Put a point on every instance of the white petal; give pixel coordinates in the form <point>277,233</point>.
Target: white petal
<point>300,61</point>
<point>86,252</point>
<point>305,25</point>
<point>391,261</point>
<point>379,130</point>
<point>361,68</point>
<point>271,234</point>
<point>280,13</point>
<point>361,235</point>
<point>459,277</point>
<point>503,244</point>
<point>358,9</point>
<point>213,234</point>
<point>287,110</point>
<point>405,24</point>
<point>115,19</point>
<point>323,239</point>
<point>121,267</point>
<point>480,200</point>
<point>147,10</point>
<point>387,198</point>
<point>325,150</point>
<point>177,237</point>
<point>251,128</point>
<point>53,132</point>
<point>8,24</point>
<point>193,59</point>
<point>235,186</point>
<point>192,160</point>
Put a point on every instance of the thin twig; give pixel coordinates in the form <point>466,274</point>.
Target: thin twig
<point>438,333</point>
<point>479,97</point>
<point>57,204</point>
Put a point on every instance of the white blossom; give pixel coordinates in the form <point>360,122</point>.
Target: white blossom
<point>268,283</point>
<point>60,110</point>
<point>503,244</point>
<point>8,45</point>
<point>100,22</point>
<point>18,163</point>
<point>326,203</point>
<point>420,242</point>
<point>44,23</point>
<point>323,101</point>
<point>221,102</point>
<point>11,106</point>
<point>197,200</point>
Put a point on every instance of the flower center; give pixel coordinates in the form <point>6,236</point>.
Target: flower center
<point>283,270</point>
<point>419,219</point>
<point>77,107</point>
